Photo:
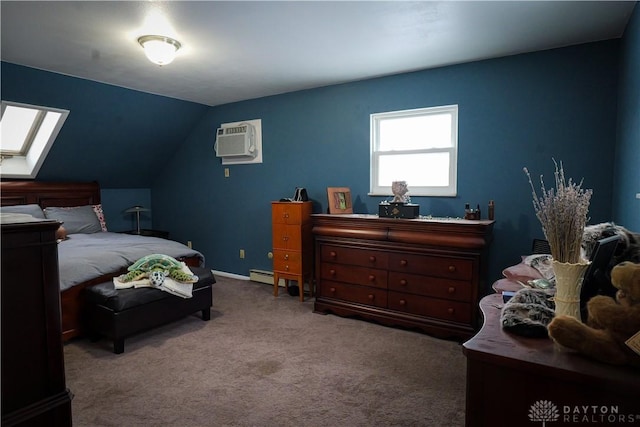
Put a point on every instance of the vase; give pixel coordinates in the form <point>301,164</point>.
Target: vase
<point>568,285</point>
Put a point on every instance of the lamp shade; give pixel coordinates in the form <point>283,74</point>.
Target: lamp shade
<point>134,209</point>
<point>160,50</point>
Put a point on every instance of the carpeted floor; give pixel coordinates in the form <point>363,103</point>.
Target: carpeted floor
<point>262,361</point>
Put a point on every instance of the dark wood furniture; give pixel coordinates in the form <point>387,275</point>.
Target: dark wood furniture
<point>417,273</point>
<point>63,194</point>
<point>121,313</point>
<point>292,244</point>
<point>33,378</point>
<point>508,376</point>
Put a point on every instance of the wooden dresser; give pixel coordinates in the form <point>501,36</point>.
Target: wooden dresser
<point>519,381</point>
<point>34,390</point>
<point>416,273</point>
<point>292,244</point>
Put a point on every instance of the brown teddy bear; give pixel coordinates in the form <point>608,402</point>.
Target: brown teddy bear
<point>610,323</point>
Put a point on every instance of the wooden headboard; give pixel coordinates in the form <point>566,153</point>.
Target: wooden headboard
<point>48,194</point>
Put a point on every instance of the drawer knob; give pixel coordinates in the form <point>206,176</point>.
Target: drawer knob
<point>372,278</point>
<point>403,302</point>
<point>285,238</point>
<point>403,262</point>
<point>450,310</point>
<point>371,297</point>
<point>451,290</point>
<point>372,258</point>
<point>286,256</point>
<point>452,268</point>
<point>286,267</point>
<point>332,272</point>
<point>403,282</point>
<point>332,254</point>
<point>332,290</point>
<point>285,215</point>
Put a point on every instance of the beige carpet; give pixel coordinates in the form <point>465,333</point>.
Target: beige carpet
<point>262,361</point>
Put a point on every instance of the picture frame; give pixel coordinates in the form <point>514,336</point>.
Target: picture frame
<point>339,200</point>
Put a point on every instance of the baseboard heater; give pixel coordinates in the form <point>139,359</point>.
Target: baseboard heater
<point>263,276</point>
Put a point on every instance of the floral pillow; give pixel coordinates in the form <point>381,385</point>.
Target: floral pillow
<point>98,210</point>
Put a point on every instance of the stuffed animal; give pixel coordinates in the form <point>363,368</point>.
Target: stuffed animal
<point>611,321</point>
<point>156,267</point>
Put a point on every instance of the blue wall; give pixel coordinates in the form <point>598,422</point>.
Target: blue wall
<point>116,201</point>
<point>627,160</point>
<point>513,112</point>
<point>116,136</point>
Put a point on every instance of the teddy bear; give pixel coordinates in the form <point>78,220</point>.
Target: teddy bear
<point>610,323</point>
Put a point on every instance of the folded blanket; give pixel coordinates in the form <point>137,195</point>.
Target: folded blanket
<point>169,285</point>
<point>528,313</point>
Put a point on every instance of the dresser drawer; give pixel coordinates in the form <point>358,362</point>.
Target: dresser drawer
<point>356,275</point>
<point>353,293</point>
<point>287,261</point>
<point>289,213</point>
<point>430,286</point>
<point>353,256</point>
<point>452,311</point>
<point>429,265</point>
<point>287,236</point>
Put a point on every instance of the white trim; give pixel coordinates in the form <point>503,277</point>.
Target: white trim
<point>230,275</point>
<point>29,165</point>
<point>414,190</point>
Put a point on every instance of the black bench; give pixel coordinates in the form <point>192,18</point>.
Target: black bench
<point>120,313</point>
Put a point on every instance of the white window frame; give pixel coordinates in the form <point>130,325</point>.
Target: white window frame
<point>452,151</point>
<point>44,130</point>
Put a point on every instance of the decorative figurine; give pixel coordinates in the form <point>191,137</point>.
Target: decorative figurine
<point>399,190</point>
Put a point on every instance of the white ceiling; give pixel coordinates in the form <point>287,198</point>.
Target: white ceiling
<point>241,50</point>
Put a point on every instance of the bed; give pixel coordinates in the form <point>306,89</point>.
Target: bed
<point>90,254</point>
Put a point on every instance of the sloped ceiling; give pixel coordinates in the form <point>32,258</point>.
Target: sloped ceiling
<point>241,50</point>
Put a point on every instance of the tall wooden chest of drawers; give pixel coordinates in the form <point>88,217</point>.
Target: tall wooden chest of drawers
<point>34,391</point>
<point>292,244</point>
<point>416,273</point>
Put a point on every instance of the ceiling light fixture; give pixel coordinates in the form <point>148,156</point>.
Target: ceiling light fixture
<point>160,50</point>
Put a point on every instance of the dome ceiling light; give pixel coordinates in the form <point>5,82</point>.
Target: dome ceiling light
<point>160,50</point>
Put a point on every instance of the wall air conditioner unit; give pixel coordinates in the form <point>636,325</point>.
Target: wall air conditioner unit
<point>236,141</point>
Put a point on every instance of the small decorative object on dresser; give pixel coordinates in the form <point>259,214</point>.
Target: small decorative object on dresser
<point>292,244</point>
<point>400,206</point>
<point>339,200</point>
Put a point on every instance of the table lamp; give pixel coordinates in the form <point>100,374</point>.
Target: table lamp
<point>137,210</point>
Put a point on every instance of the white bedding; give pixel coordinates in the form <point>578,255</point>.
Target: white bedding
<point>84,257</point>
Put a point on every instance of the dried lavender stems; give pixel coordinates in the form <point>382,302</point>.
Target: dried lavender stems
<point>563,214</point>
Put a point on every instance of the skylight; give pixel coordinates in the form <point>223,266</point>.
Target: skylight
<point>27,132</point>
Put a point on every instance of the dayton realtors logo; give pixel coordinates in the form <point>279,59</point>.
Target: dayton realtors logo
<point>545,411</point>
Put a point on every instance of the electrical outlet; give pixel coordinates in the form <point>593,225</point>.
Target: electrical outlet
<point>637,195</point>
<point>241,253</point>
<point>226,172</point>
<point>189,244</point>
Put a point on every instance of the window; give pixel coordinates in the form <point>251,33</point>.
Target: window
<point>417,146</point>
<point>27,133</point>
